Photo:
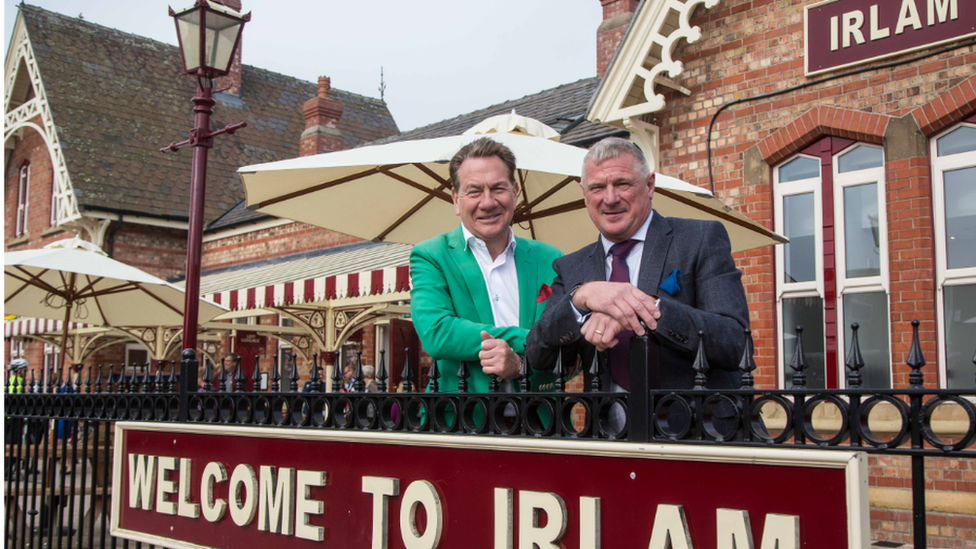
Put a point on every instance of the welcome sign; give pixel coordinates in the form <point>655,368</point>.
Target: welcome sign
<point>215,486</point>
<point>841,33</point>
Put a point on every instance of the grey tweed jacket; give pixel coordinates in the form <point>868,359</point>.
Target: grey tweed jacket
<point>711,299</point>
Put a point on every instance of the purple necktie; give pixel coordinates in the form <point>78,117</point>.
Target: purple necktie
<point>620,353</point>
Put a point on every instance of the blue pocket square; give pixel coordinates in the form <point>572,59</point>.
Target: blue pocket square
<point>670,284</point>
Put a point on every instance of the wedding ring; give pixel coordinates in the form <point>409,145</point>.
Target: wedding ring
<point>598,332</point>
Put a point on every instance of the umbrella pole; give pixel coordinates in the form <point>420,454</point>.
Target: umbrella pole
<point>64,334</point>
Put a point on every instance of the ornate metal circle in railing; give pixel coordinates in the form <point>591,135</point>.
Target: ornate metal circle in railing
<point>537,409</point>
<point>416,415</point>
<point>47,405</point>
<point>868,413</point>
<point>606,410</point>
<point>366,414</point>
<point>760,429</point>
<point>262,411</point>
<point>673,416</point>
<point>445,412</point>
<point>112,407</point>
<point>195,408</point>
<point>211,409</point>
<point>280,411</point>
<point>98,408</point>
<point>242,411</point>
<point>930,413</point>
<point>58,406</point>
<point>568,425</point>
<point>160,408</point>
<point>299,411</point>
<point>505,416</point>
<point>134,411</point>
<point>173,409</point>
<point>88,407</point>
<point>391,414</point>
<point>720,417</point>
<point>228,409</point>
<point>320,412</point>
<point>823,404</point>
<point>474,416</point>
<point>147,408</point>
<point>342,413</point>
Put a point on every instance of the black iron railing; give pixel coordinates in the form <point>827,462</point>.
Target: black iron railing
<point>50,494</point>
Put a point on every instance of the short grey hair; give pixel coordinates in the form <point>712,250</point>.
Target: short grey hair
<point>612,147</point>
<point>369,371</point>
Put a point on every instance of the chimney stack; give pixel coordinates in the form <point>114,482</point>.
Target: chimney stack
<point>232,82</point>
<point>616,18</point>
<point>322,116</point>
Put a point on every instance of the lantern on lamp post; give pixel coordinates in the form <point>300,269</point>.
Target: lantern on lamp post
<point>208,34</point>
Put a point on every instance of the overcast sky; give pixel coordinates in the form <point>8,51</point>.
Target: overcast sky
<point>441,58</point>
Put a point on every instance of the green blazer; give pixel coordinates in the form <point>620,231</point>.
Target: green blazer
<point>449,305</point>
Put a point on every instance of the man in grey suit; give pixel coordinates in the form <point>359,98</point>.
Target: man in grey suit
<point>677,275</point>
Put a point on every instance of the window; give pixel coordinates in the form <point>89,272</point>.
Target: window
<point>284,348</point>
<point>954,204</point>
<point>834,270</point>
<point>52,363</point>
<point>54,203</point>
<point>136,358</point>
<point>23,189</point>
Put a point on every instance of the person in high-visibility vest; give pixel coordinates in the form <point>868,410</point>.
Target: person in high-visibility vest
<point>14,426</point>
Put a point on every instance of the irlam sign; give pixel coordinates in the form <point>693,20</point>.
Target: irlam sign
<point>210,486</point>
<point>841,33</point>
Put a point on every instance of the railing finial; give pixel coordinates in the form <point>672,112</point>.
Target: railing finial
<point>799,361</point>
<point>854,360</point>
<point>524,372</point>
<point>256,375</point>
<point>747,364</point>
<point>293,376</point>
<point>238,376</point>
<point>462,374</point>
<point>435,374</point>
<point>381,375</point>
<point>915,359</point>
<point>406,375</point>
<point>275,375</point>
<point>358,384</point>
<point>700,365</point>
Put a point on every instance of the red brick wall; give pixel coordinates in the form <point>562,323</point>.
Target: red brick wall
<point>158,251</point>
<point>267,243</point>
<point>749,48</point>
<point>610,32</point>
<point>30,149</point>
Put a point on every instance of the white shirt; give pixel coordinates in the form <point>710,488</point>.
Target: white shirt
<point>501,278</point>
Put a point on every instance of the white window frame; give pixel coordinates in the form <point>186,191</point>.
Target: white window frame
<point>867,284</point>
<point>17,348</point>
<point>23,198</point>
<point>54,203</point>
<point>788,290</point>
<point>943,275</point>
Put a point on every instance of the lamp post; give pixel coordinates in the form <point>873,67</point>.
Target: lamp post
<point>209,34</point>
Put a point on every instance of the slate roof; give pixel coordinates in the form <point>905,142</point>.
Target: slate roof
<point>557,107</point>
<point>116,100</point>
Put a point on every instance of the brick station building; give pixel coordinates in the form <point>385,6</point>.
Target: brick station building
<point>849,128</point>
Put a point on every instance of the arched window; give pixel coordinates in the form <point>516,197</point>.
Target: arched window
<point>829,201</point>
<point>954,204</point>
<point>23,190</point>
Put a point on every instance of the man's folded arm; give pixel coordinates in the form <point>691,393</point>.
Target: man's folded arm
<point>557,327</point>
<point>443,334</point>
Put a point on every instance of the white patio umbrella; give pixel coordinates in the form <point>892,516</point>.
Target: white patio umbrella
<point>75,281</point>
<point>400,192</point>
<point>513,123</point>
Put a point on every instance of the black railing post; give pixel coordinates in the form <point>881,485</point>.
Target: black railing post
<point>799,365</point>
<point>188,382</point>
<point>915,381</point>
<point>643,357</point>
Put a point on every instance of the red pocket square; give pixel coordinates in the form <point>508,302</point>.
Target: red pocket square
<point>544,292</point>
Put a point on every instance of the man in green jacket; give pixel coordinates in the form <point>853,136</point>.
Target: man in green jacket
<point>478,289</point>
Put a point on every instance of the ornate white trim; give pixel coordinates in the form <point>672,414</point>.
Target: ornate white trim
<point>652,29</point>
<point>21,116</point>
